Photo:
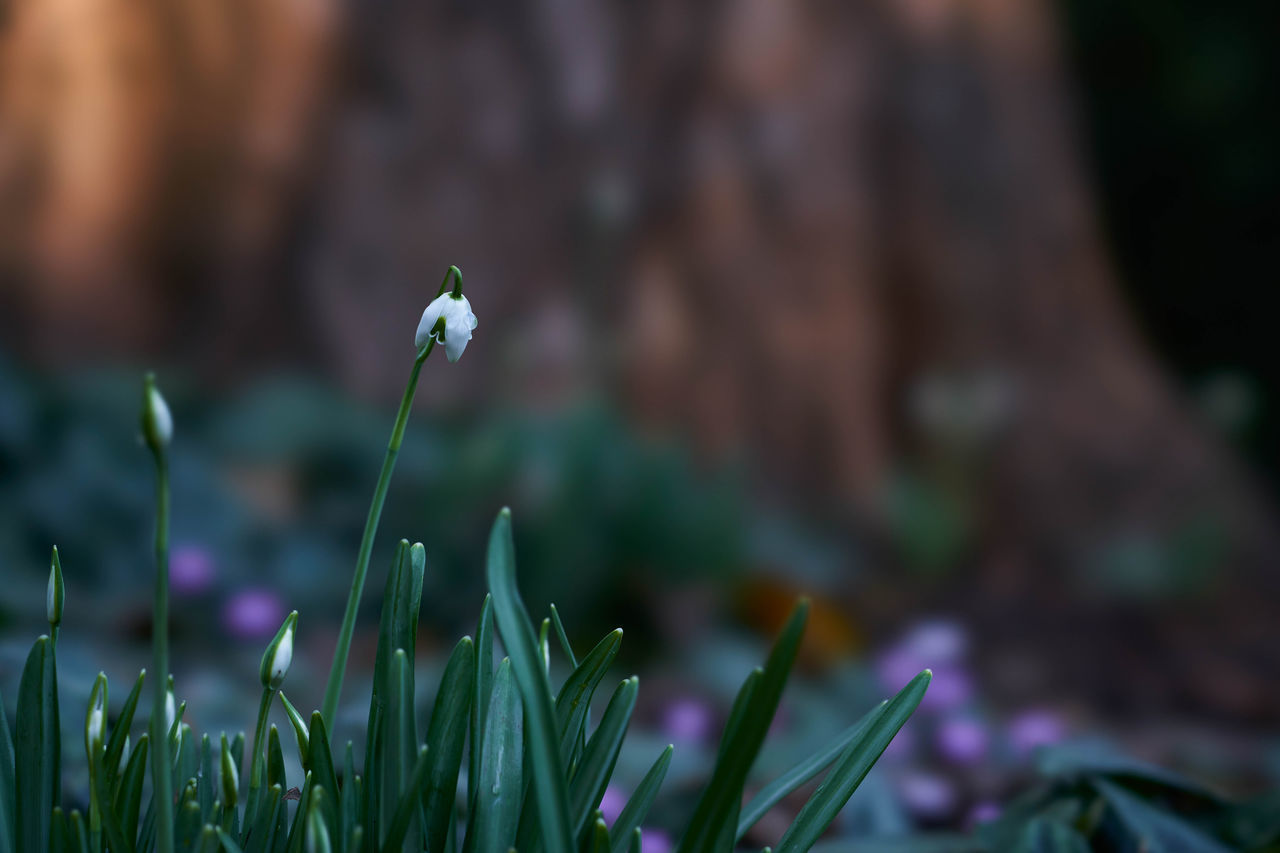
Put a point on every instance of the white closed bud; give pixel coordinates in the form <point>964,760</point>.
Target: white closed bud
<point>170,711</point>
<point>157,422</point>
<point>279,654</point>
<point>95,718</point>
<point>449,320</point>
<point>93,728</point>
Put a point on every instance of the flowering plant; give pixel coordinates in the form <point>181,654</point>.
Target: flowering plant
<point>505,760</point>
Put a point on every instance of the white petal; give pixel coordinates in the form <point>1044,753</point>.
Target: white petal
<point>429,317</point>
<point>282,658</point>
<point>455,341</point>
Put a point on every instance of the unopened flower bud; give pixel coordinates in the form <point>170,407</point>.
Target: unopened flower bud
<point>95,718</point>
<point>230,777</point>
<point>56,595</point>
<point>170,709</point>
<point>157,422</point>
<point>279,654</point>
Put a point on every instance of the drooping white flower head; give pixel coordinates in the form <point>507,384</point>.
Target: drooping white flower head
<point>459,322</point>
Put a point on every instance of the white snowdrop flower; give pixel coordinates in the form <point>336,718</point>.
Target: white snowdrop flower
<point>459,322</point>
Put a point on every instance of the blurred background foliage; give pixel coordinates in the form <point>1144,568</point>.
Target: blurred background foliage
<point>946,313</point>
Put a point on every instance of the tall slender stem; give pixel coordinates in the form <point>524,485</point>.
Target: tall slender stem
<point>161,763</point>
<point>255,764</point>
<point>336,673</point>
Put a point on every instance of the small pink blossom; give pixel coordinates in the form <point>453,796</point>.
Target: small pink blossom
<point>253,613</point>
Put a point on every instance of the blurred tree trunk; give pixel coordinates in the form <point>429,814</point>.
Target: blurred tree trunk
<point>853,241</point>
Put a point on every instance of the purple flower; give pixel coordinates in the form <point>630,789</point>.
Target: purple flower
<point>655,841</point>
<point>962,740</point>
<point>897,667</point>
<point>937,643</point>
<point>191,570</point>
<point>927,795</point>
<point>951,688</point>
<point>1035,728</point>
<point>984,812</point>
<point>253,613</point>
<point>611,804</point>
<point>687,719</point>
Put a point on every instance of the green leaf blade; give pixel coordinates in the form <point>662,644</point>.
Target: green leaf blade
<point>550,791</point>
<point>37,749</point>
<point>852,767</point>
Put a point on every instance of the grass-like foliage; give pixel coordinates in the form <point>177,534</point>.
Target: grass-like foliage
<point>506,760</point>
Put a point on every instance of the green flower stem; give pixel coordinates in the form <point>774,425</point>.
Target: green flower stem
<point>161,764</point>
<point>255,765</point>
<point>334,687</point>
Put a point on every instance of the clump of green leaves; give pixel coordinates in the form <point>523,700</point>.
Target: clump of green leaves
<point>535,768</point>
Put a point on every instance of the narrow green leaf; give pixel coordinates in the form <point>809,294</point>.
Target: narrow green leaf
<point>851,768</point>
<point>494,819</point>
<point>58,831</point>
<point>407,808</point>
<point>446,739</point>
<point>208,782</point>
<point>128,799</point>
<point>483,691</point>
<point>600,837</point>
<point>275,760</point>
<point>397,630</point>
<point>1152,830</point>
<point>120,733</point>
<point>749,723</point>
<point>564,638</point>
<point>208,839</point>
<point>6,783</point>
<point>228,843</point>
<point>513,622</point>
<point>544,647</point>
<point>637,841</point>
<point>187,826</point>
<point>106,816</point>
<point>399,743</point>
<point>322,773</point>
<point>79,836</point>
<point>773,793</point>
<point>37,749</point>
<point>350,799</point>
<point>299,730</point>
<point>637,808</point>
<point>318,840</point>
<point>574,699</point>
<point>298,829</point>
<point>601,754</point>
<point>261,836</point>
